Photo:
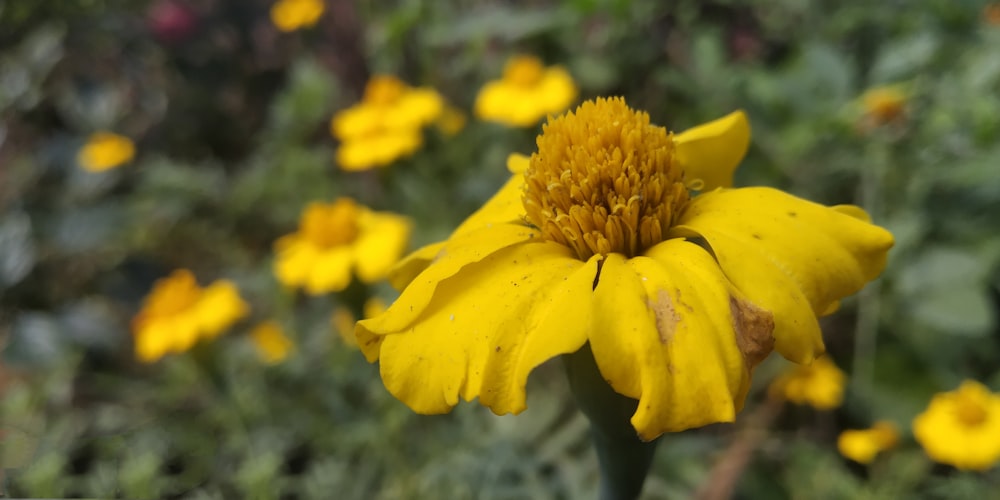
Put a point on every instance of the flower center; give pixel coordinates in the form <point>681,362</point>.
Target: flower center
<point>523,71</point>
<point>970,412</point>
<point>604,180</point>
<point>383,90</point>
<point>331,225</point>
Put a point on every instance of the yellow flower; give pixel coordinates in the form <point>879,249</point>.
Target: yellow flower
<point>527,93</point>
<point>272,344</point>
<point>962,427</point>
<point>104,151</point>
<point>343,319</point>
<point>820,384</point>
<point>291,15</point>
<point>863,444</point>
<point>178,312</point>
<point>883,105</point>
<point>335,238</point>
<point>596,238</point>
<point>386,125</point>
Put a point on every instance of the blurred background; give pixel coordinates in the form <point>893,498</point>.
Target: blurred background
<point>143,137</point>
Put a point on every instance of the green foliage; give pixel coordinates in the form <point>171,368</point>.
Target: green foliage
<point>232,131</point>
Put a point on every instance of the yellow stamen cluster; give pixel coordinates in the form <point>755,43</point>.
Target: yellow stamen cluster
<point>604,180</point>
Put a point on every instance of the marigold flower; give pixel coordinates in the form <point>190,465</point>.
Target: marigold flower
<point>335,238</point>
<point>819,384</point>
<point>596,238</point>
<point>273,346</point>
<point>386,125</point>
<point>526,93</point>
<point>961,427</point>
<point>178,312</point>
<point>104,151</point>
<point>862,445</point>
<point>883,105</point>
<point>292,15</point>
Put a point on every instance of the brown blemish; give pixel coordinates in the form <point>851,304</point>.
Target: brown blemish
<point>666,315</point>
<point>754,328</point>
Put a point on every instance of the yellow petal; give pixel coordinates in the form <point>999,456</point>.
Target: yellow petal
<point>790,256</point>
<point>712,151</point>
<point>383,240</point>
<point>412,265</point>
<point>458,252</point>
<point>294,260</point>
<point>665,333</point>
<point>504,207</point>
<point>331,271</point>
<point>219,307</point>
<point>357,121</point>
<point>487,327</point>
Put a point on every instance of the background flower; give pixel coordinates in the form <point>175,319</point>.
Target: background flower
<point>527,92</point>
<point>105,151</point>
<point>291,15</point>
<point>862,445</point>
<point>335,240</point>
<point>177,313</point>
<point>962,427</point>
<point>819,384</point>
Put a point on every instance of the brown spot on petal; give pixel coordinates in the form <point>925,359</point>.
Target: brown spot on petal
<point>666,316</point>
<point>754,328</point>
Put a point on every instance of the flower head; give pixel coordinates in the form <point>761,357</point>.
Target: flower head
<point>273,346</point>
<point>105,151</point>
<point>178,312</point>
<point>527,92</point>
<point>291,15</point>
<point>962,427</point>
<point>883,105</point>
<point>386,125</point>
<point>335,238</point>
<point>862,445</point>
<point>820,384</point>
<point>597,238</point>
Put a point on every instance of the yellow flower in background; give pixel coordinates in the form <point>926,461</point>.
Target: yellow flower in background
<point>273,346</point>
<point>527,92</point>
<point>335,239</point>
<point>386,125</point>
<point>883,105</point>
<point>178,313</point>
<point>104,151</point>
<point>597,238</point>
<point>961,427</point>
<point>819,384</point>
<point>343,319</point>
<point>862,445</point>
<point>291,15</point>
<point>451,121</point>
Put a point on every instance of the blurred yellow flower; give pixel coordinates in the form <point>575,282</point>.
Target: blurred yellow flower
<point>883,105</point>
<point>104,151</point>
<point>526,93</point>
<point>596,238</point>
<point>386,125</point>
<point>334,238</point>
<point>962,427</point>
<point>819,384</point>
<point>273,346</point>
<point>862,445</point>
<point>451,121</point>
<point>178,312</point>
<point>291,15</point>
<point>343,319</point>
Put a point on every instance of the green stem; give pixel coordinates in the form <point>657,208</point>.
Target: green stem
<point>624,459</point>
